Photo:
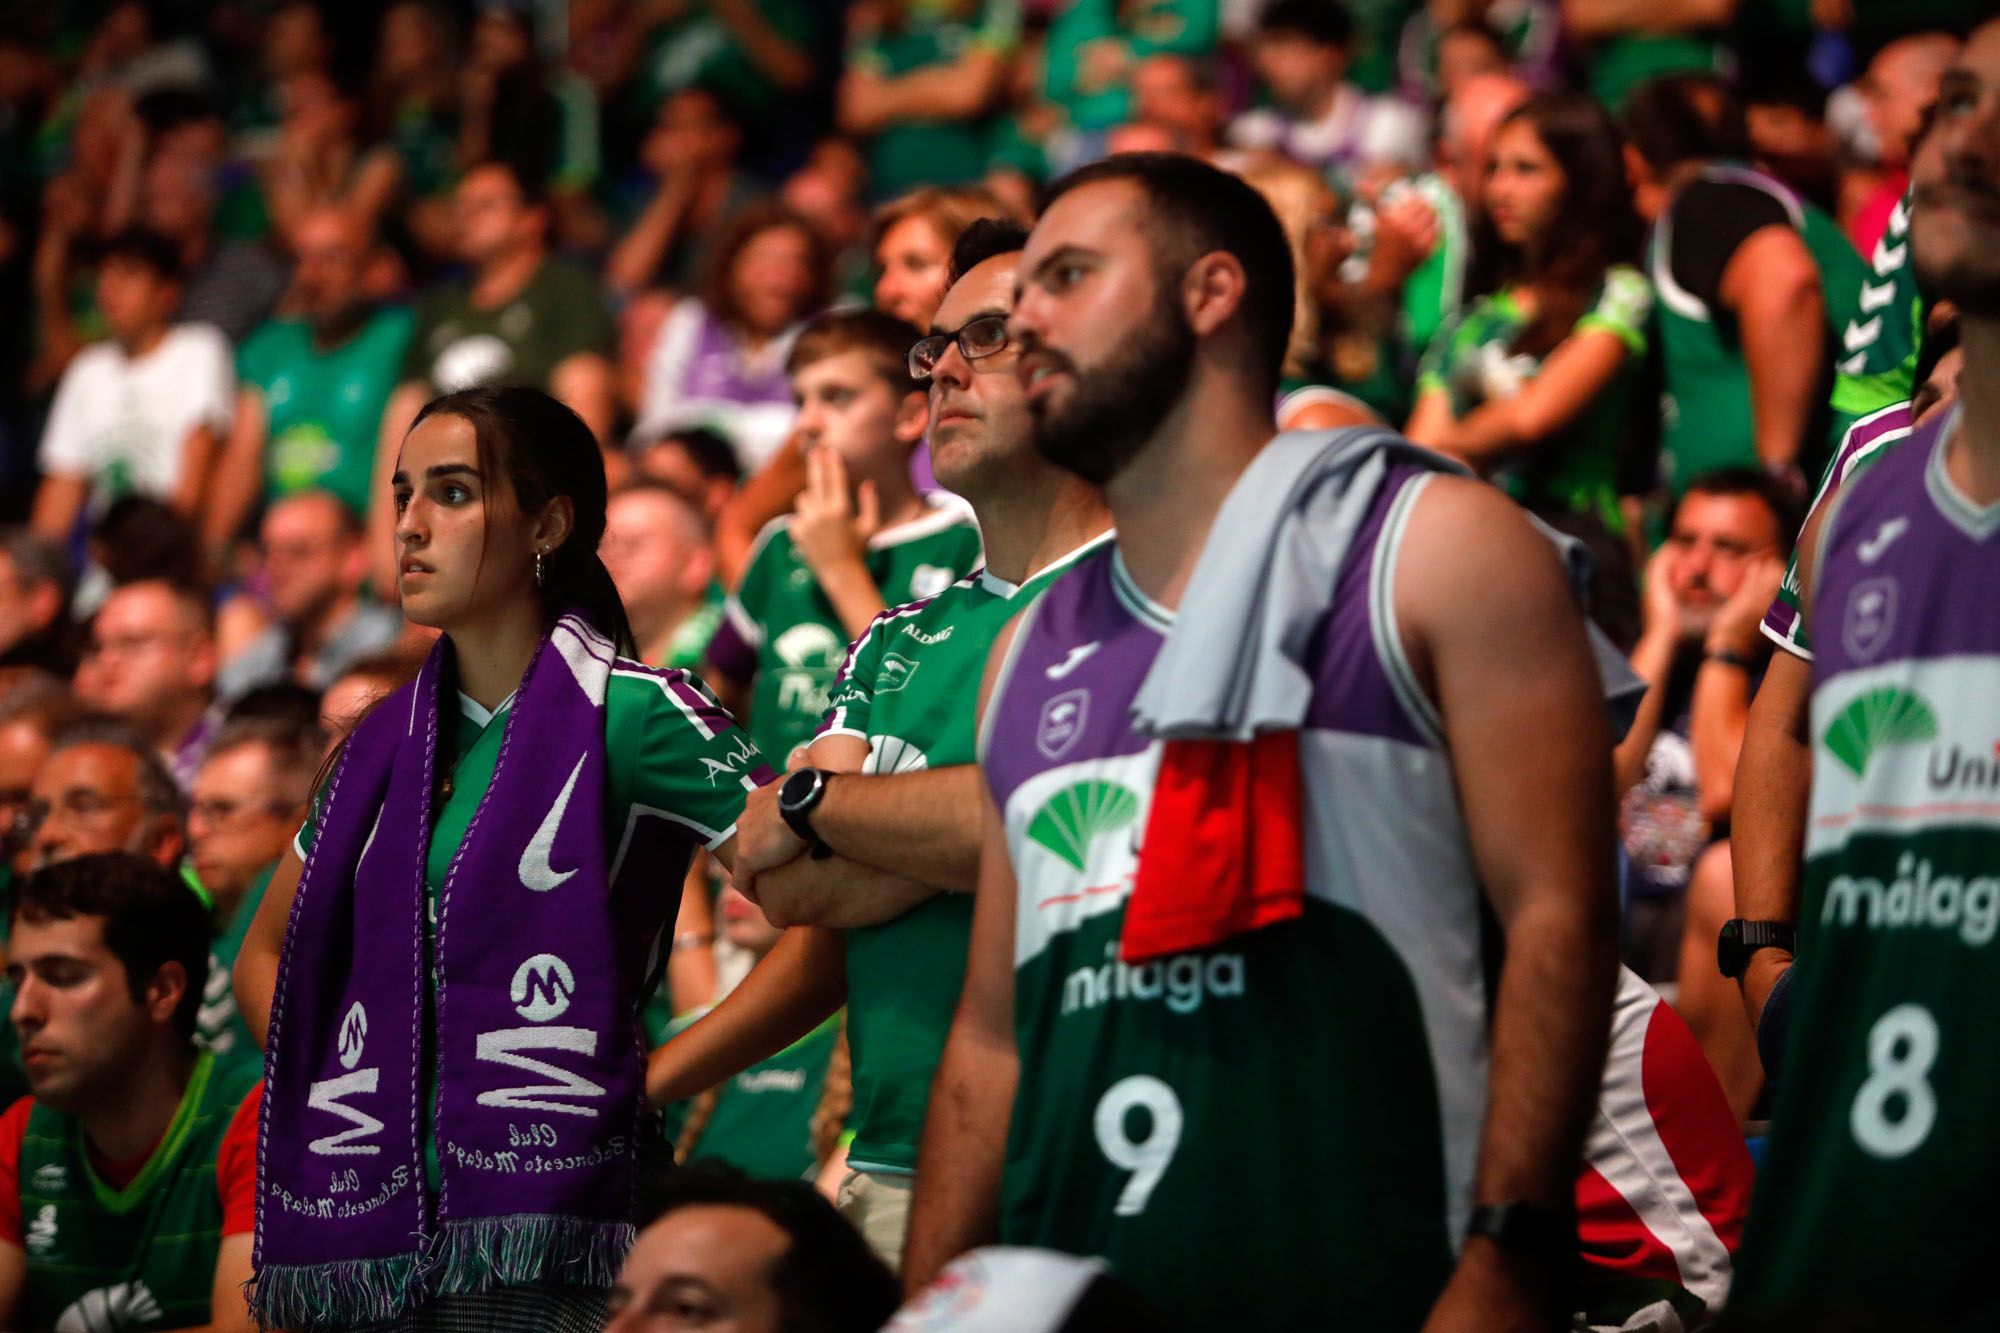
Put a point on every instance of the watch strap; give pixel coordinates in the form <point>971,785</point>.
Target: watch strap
<point>1525,1227</point>
<point>796,809</point>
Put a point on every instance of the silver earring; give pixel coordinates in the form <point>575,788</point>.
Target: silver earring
<point>538,569</point>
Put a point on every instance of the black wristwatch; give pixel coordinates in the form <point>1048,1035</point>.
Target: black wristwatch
<point>798,796</point>
<point>1741,938</point>
<point>1526,1228</point>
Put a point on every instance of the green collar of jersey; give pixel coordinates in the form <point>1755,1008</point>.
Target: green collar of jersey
<point>164,1156</point>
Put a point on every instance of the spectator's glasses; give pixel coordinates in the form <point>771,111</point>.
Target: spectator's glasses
<point>76,807</point>
<point>223,815</point>
<point>979,337</point>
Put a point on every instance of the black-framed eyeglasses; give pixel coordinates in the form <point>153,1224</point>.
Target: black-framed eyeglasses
<point>978,337</point>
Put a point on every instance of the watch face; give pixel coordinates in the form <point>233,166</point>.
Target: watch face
<point>798,788</point>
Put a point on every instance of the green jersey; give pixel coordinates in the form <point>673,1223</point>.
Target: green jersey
<point>780,631</point>
<point>911,689</point>
<point>323,406</point>
<point>1878,343</point>
<point>218,1025</point>
<point>1707,421</point>
<point>458,345</point>
<point>687,648</point>
<point>909,153</point>
<point>1874,1198</point>
<point>140,1257</point>
<point>762,1118</point>
<point>1473,362</point>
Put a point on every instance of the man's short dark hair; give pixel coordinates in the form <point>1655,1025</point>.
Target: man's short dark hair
<point>1194,209</point>
<point>1688,117</point>
<point>526,183</point>
<point>38,560</point>
<point>151,918</point>
<point>828,1280</point>
<point>709,450</point>
<point>1326,22</point>
<point>158,793</point>
<point>146,248</point>
<point>987,238</point>
<point>1759,484</point>
<point>296,743</point>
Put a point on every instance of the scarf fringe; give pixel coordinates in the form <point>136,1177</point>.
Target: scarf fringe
<point>349,1292</point>
<point>481,1253</point>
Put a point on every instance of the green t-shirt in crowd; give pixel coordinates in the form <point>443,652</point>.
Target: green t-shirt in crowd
<point>780,630</point>
<point>323,407</point>
<point>1144,28</point>
<point>1617,65</point>
<point>1472,361</point>
<point>558,314</point>
<point>218,1026</point>
<point>140,1257</point>
<point>762,1118</point>
<point>697,49</point>
<point>932,152</point>
<point>911,690</point>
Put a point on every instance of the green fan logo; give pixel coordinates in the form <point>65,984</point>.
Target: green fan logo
<point>1075,816</point>
<point>1887,716</point>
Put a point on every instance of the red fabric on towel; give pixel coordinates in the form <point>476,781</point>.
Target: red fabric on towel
<point>1223,852</point>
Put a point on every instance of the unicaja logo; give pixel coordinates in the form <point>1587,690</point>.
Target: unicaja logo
<point>353,1033</point>
<point>542,988</point>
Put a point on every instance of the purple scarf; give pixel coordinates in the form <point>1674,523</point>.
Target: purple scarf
<point>538,1055</point>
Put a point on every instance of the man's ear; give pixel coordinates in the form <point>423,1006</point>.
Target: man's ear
<point>163,994</point>
<point>1212,291</point>
<point>913,416</point>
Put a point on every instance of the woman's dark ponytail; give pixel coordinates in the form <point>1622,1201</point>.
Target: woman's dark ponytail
<point>545,450</point>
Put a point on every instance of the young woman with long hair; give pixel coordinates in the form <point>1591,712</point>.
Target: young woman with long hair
<point>1534,383</point>
<point>447,973</point>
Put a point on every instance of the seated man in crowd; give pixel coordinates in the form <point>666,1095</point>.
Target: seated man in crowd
<point>313,385</point>
<point>751,1254</point>
<point>522,316</point>
<point>249,799</point>
<point>127,1177</point>
<point>32,711</point>
<point>861,539</point>
<point>697,464</point>
<point>314,565</point>
<point>153,663</point>
<point>656,545</point>
<point>1302,51</point>
<point>36,584</point>
<point>143,411</point>
<point>104,789</point>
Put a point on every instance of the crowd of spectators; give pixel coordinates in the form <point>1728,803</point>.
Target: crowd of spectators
<point>1639,264</point>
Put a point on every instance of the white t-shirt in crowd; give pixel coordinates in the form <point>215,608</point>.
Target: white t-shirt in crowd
<point>123,422</point>
<point>1358,132</point>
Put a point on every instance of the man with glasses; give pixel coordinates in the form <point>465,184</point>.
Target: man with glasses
<point>872,852</point>
<point>103,789</point>
<point>249,799</point>
<point>313,567</point>
<point>153,664</point>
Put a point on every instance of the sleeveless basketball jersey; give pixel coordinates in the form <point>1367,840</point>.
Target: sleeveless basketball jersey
<point>1706,417</point>
<point>1876,1195</point>
<point>1285,1125</point>
<point>138,1257</point>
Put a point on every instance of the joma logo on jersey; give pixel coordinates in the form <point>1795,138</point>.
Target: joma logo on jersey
<point>326,1094</point>
<point>1886,716</point>
<point>1184,981</point>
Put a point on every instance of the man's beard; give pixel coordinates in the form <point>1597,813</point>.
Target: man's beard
<point>1116,407</point>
